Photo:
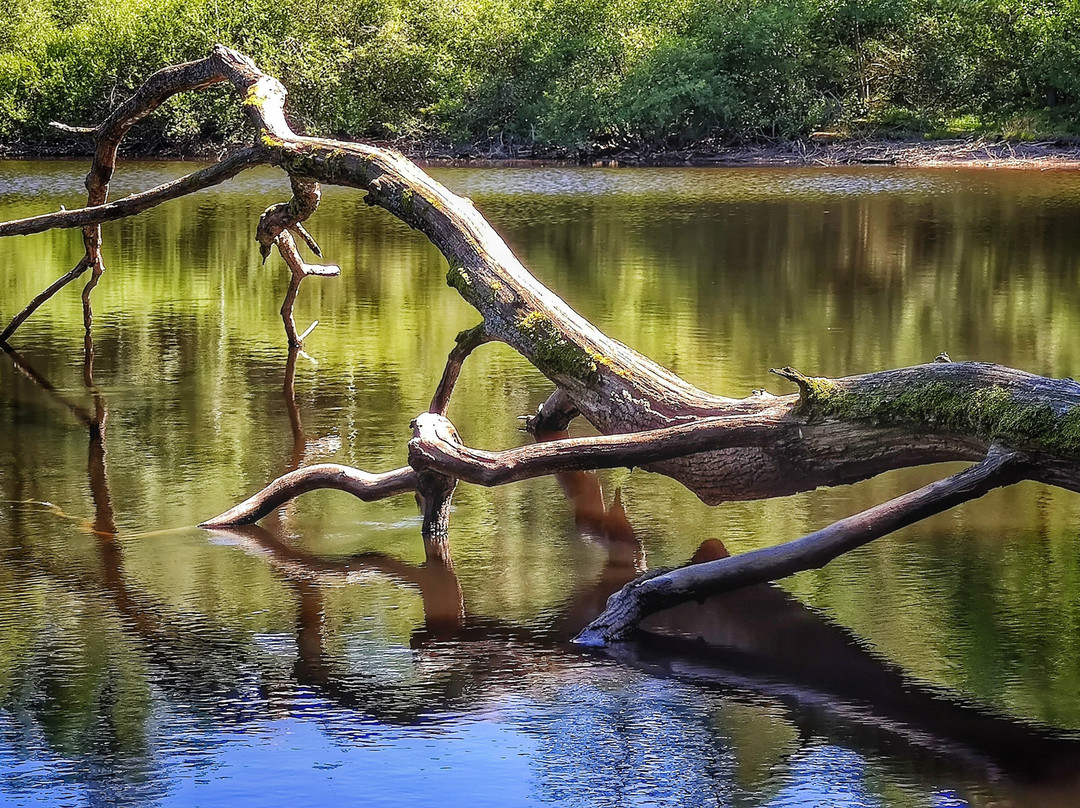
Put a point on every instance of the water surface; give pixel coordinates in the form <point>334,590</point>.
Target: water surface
<point>322,658</point>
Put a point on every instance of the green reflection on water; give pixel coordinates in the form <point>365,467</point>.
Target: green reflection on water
<point>717,274</point>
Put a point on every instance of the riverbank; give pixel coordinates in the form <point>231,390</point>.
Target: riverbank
<point>823,150</point>
<point>820,150</point>
<point>610,74</point>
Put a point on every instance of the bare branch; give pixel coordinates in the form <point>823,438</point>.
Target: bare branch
<point>367,487</point>
<point>650,594</point>
<point>74,130</point>
<point>137,203</point>
<point>52,289</point>
<point>467,342</point>
<point>155,91</point>
<point>835,431</point>
<point>300,270</point>
<point>289,215</point>
<point>553,415</point>
<point>108,134</point>
<point>436,448</point>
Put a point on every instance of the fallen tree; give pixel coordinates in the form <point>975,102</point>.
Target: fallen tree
<point>758,639</point>
<point>1014,425</point>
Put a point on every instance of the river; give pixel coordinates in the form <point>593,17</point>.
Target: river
<point>322,659</point>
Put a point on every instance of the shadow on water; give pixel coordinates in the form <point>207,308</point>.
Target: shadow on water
<point>754,643</point>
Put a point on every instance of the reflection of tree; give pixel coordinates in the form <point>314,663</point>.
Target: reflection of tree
<point>764,640</point>
<point>100,714</point>
<point>894,259</point>
<point>760,642</point>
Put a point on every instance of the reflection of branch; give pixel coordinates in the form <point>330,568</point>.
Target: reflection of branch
<point>606,526</point>
<point>288,392</point>
<point>648,595</point>
<point>762,639</point>
<point>758,639</point>
<point>104,521</point>
<point>436,580</point>
<point>302,447</point>
<point>441,689</point>
<point>180,650</point>
<point>26,369</point>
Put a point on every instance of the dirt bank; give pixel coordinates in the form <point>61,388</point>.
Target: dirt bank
<point>818,150</point>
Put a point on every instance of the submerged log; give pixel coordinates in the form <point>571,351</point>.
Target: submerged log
<point>832,432</point>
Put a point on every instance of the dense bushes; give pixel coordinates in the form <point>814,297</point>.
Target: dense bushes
<point>561,71</point>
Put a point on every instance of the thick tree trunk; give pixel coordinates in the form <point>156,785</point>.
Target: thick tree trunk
<point>831,432</point>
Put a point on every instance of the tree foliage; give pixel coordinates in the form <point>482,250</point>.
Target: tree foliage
<point>561,71</point>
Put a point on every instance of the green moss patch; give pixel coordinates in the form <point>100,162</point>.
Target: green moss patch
<point>553,353</point>
<point>989,413</point>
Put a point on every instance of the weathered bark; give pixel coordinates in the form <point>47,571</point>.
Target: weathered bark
<point>832,432</point>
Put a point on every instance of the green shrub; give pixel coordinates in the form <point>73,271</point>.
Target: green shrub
<point>557,71</point>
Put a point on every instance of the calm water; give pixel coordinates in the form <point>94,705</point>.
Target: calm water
<point>320,659</point>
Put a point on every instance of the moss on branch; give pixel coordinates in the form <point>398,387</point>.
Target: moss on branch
<point>554,353</point>
<point>990,412</point>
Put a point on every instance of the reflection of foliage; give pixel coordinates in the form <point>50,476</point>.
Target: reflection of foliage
<point>620,739</point>
<point>760,739</point>
<point>82,687</point>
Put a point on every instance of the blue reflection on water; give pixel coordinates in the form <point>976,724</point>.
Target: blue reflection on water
<point>292,761</point>
<point>617,741</point>
<point>826,775</point>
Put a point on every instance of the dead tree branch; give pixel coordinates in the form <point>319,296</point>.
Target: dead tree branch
<point>833,432</point>
<point>651,594</point>
<point>137,203</point>
<point>465,343</point>
<point>364,486</point>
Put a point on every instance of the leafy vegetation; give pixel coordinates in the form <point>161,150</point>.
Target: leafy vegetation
<point>562,71</point>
